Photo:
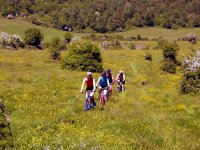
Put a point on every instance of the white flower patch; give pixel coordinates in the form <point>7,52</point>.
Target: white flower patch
<point>192,63</point>
<point>5,38</point>
<point>75,39</point>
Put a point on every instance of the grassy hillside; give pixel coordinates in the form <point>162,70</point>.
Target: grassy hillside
<point>19,26</point>
<point>47,108</point>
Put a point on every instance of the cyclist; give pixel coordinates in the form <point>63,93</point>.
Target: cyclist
<point>121,79</point>
<point>111,80</point>
<point>103,84</point>
<point>90,86</point>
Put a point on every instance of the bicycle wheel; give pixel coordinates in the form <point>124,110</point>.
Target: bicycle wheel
<point>87,105</point>
<point>102,100</point>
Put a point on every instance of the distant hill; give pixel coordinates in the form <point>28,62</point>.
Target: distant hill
<point>106,15</point>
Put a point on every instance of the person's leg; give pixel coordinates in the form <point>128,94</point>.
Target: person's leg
<point>92,99</point>
<point>118,82</point>
<point>123,85</point>
<point>110,92</point>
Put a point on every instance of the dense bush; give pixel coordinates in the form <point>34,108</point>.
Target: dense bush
<point>33,37</point>
<point>56,46</point>
<point>68,36</point>
<point>169,54</point>
<point>6,139</point>
<point>139,37</point>
<point>169,51</point>
<point>83,56</point>
<point>148,56</point>
<point>191,78</point>
<point>169,66</point>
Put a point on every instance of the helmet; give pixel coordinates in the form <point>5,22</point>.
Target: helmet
<point>88,74</point>
<point>108,71</point>
<point>121,71</point>
<point>103,74</point>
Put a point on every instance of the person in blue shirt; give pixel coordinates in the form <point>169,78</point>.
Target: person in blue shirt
<point>103,86</point>
<point>103,81</point>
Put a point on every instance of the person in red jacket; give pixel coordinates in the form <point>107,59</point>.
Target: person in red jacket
<point>90,86</point>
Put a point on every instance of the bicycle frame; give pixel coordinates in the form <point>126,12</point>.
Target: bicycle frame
<point>120,87</point>
<point>88,102</point>
<point>103,96</point>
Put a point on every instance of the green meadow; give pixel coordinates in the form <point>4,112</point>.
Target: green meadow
<point>18,26</point>
<point>47,109</point>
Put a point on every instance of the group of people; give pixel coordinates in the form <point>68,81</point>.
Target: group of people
<point>104,82</point>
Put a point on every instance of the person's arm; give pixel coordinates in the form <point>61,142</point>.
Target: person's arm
<point>98,82</point>
<point>117,77</point>
<point>108,82</point>
<point>113,80</point>
<point>124,77</point>
<point>94,87</point>
<point>82,85</point>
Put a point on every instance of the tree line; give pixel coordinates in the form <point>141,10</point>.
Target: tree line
<point>107,15</point>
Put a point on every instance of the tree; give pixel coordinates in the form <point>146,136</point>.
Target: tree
<point>83,56</point>
<point>33,37</point>
<point>55,47</point>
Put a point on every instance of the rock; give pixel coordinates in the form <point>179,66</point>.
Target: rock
<point>143,83</point>
<point>141,47</point>
<point>10,16</point>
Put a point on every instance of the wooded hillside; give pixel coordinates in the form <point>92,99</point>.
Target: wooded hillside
<point>106,15</point>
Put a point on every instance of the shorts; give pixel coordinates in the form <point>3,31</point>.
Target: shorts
<point>123,82</point>
<point>89,88</point>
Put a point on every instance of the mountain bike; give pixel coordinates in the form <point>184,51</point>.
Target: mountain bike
<point>120,87</point>
<point>88,102</point>
<point>103,96</point>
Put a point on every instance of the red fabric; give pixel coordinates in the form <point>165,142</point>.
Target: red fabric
<point>89,83</point>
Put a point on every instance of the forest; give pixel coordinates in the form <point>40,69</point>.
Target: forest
<point>106,15</point>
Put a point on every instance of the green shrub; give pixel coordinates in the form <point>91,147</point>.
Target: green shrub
<point>148,56</point>
<point>175,27</point>
<point>93,36</point>
<point>68,36</point>
<point>55,47</point>
<point>169,51</point>
<point>21,44</point>
<point>33,37</point>
<point>139,37</point>
<point>132,46</point>
<point>169,66</point>
<point>162,43</point>
<point>190,86</point>
<point>115,44</point>
<point>83,56</point>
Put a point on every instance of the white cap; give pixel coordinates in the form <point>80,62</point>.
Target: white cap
<point>88,74</point>
<point>120,71</point>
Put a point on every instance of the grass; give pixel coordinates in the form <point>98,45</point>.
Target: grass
<point>18,26</point>
<point>155,32</point>
<point>47,109</point>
